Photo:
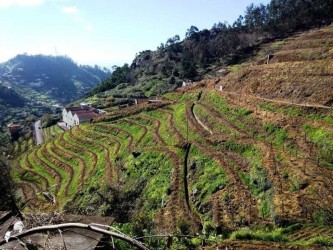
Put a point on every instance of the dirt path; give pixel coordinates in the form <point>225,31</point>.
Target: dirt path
<point>304,105</point>
<point>38,132</point>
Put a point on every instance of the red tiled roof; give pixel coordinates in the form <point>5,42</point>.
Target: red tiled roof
<point>73,109</point>
<point>82,113</point>
<point>86,116</point>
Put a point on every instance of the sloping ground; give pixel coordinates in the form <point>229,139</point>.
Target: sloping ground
<point>204,158</point>
<point>249,162</point>
<point>300,70</point>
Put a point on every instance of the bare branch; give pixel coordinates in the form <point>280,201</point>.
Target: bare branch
<point>63,240</point>
<point>41,229</point>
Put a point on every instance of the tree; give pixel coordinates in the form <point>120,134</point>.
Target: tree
<point>192,32</point>
<point>176,39</point>
<point>256,17</point>
<point>187,69</point>
<point>239,24</point>
<point>172,40</point>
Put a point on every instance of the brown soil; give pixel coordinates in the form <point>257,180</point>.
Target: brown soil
<point>300,71</point>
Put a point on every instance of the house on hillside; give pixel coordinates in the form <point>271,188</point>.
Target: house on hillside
<point>146,100</point>
<point>140,100</point>
<point>187,82</point>
<point>74,116</point>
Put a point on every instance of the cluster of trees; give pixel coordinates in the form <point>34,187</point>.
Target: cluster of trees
<point>10,97</point>
<point>119,75</point>
<point>285,16</point>
<point>199,49</point>
<point>49,120</point>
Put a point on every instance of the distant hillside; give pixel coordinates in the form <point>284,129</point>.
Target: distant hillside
<point>9,97</point>
<point>202,52</point>
<point>16,108</point>
<point>299,69</point>
<point>30,85</point>
<point>59,77</point>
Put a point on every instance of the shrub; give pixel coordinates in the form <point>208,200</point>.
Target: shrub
<point>183,227</point>
<point>292,228</point>
<point>325,241</point>
<point>275,236</point>
<point>321,217</point>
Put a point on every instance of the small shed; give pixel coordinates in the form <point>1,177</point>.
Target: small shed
<point>187,82</point>
<point>140,100</point>
<point>13,130</point>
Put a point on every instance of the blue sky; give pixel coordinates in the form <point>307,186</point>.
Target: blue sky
<point>104,32</point>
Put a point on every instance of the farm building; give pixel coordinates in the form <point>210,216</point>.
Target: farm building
<point>187,82</point>
<point>73,116</point>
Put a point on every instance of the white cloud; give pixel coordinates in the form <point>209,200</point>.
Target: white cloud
<point>89,27</point>
<point>72,10</point>
<point>8,3</point>
<point>75,14</point>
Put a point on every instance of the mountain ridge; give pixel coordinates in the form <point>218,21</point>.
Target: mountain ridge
<point>31,86</point>
<point>52,75</point>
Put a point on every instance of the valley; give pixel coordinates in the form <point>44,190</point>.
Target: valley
<point>194,151</point>
<point>32,86</point>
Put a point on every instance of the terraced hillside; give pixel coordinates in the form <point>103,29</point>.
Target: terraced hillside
<point>199,159</point>
<point>299,69</point>
<point>247,161</point>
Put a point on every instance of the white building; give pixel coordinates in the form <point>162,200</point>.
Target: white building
<point>187,82</point>
<point>73,116</point>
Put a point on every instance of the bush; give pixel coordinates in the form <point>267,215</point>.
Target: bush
<point>49,120</point>
<point>291,228</point>
<point>321,217</point>
<point>183,227</point>
<point>275,236</point>
<point>325,241</point>
<point>141,222</point>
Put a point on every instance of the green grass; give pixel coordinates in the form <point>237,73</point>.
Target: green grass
<point>273,236</point>
<point>74,185</point>
<point>324,241</point>
<point>206,169</point>
<point>275,134</point>
<point>62,173</point>
<point>182,124</point>
<point>298,112</point>
<point>83,153</point>
<point>134,130</point>
<point>26,176</point>
<point>323,139</point>
<point>184,97</point>
<point>211,122</point>
<point>88,140</point>
<point>165,130</point>
<point>110,134</point>
<point>240,117</point>
<point>153,169</point>
<point>36,167</point>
